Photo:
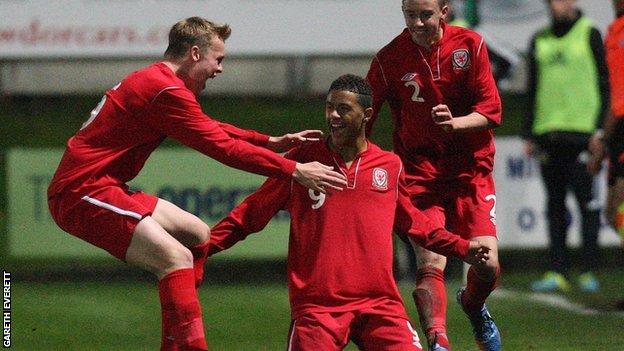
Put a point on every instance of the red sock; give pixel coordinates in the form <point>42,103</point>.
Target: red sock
<point>182,322</point>
<point>200,254</point>
<point>477,290</point>
<point>430,299</point>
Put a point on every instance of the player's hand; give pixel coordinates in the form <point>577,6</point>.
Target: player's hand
<point>597,152</point>
<point>478,253</point>
<point>319,177</point>
<point>530,149</point>
<point>442,116</point>
<point>288,141</point>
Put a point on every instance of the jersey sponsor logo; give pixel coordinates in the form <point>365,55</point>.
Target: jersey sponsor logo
<point>461,59</point>
<point>408,76</point>
<point>380,178</point>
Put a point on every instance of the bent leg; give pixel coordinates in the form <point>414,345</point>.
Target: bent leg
<point>154,250</point>
<point>188,229</point>
<point>482,279</point>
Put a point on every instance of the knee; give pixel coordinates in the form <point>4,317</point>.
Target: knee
<point>198,232</point>
<point>178,257</point>
<point>490,270</point>
<point>427,259</point>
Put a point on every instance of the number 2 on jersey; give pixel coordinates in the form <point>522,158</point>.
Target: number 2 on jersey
<point>415,96</point>
<point>320,198</point>
<point>97,109</point>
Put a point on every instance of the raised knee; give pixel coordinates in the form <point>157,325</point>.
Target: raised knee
<point>176,258</point>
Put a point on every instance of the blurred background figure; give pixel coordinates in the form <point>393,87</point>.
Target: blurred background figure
<point>469,18</point>
<point>568,97</point>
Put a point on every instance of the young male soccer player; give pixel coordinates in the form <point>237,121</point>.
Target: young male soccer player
<point>340,278</point>
<point>89,198</point>
<point>614,124</point>
<point>444,103</point>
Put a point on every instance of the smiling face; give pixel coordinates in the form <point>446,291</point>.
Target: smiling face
<point>346,118</point>
<point>422,19</point>
<point>206,63</point>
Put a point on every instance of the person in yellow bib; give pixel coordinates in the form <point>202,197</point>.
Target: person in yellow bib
<point>568,98</point>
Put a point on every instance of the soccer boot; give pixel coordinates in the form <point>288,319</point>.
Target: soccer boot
<point>483,327</point>
<point>588,282</point>
<point>551,281</point>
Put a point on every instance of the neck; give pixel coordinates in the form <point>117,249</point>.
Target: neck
<point>348,152</point>
<point>181,72</point>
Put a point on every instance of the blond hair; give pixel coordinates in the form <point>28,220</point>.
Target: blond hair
<point>194,31</point>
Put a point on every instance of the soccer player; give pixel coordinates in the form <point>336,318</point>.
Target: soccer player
<point>568,98</point>
<point>340,278</point>
<point>614,124</point>
<point>444,103</point>
<point>88,196</point>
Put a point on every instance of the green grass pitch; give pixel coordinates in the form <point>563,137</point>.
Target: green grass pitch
<point>125,316</point>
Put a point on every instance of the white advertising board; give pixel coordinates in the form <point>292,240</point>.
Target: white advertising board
<point>521,203</point>
<point>119,28</point>
<point>138,28</point>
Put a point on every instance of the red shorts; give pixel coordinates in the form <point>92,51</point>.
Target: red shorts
<point>370,332</point>
<point>105,217</point>
<point>467,209</point>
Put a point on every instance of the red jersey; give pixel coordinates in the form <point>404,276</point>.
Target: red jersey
<point>340,248</point>
<point>456,72</point>
<point>134,117</point>
<point>614,43</point>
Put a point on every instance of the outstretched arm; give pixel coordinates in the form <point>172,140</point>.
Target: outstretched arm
<point>277,144</point>
<point>251,216</point>
<point>419,227</point>
<point>177,114</point>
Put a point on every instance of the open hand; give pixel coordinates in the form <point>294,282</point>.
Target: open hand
<point>478,253</point>
<point>319,177</point>
<point>288,141</point>
<point>442,116</point>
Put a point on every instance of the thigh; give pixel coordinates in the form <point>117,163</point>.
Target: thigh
<point>187,228</point>
<point>320,331</point>
<point>473,212</point>
<point>105,217</point>
<point>386,333</point>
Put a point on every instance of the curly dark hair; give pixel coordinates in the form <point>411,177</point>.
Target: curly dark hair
<point>356,85</point>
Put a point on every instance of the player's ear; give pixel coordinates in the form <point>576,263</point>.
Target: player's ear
<point>195,53</point>
<point>368,113</point>
<point>445,10</point>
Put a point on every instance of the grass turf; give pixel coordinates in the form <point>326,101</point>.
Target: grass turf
<point>76,315</point>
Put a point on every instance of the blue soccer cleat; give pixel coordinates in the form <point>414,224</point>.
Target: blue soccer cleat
<point>588,282</point>
<point>485,331</point>
<point>550,282</point>
<point>437,347</point>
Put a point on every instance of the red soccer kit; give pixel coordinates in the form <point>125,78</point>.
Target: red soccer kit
<point>110,149</point>
<point>614,43</point>
<point>340,248</point>
<point>440,166</point>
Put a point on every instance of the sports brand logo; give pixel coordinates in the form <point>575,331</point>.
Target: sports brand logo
<point>408,76</point>
<point>380,178</point>
<point>461,59</point>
